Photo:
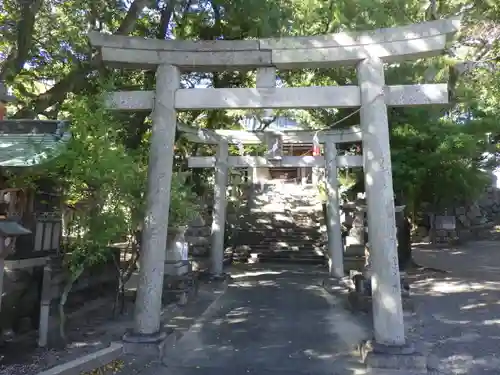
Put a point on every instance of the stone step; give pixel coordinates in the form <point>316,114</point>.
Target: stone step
<point>259,247</point>
<point>279,220</point>
<point>304,236</point>
<point>304,223</point>
<point>278,258</point>
<point>306,248</point>
<point>315,232</point>
<point>289,232</point>
<point>279,244</point>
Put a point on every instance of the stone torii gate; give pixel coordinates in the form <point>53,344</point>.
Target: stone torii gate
<point>222,161</point>
<point>368,51</point>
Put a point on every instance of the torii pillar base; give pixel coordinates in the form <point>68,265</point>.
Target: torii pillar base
<point>144,345</point>
<point>382,359</point>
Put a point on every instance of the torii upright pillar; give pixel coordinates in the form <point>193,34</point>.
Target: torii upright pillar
<point>154,235</point>
<point>219,209</point>
<point>386,287</point>
<point>335,247</point>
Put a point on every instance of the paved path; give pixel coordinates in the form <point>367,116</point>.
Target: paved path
<point>270,321</point>
<point>460,310</point>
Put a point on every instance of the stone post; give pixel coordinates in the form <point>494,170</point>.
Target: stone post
<point>219,210</point>
<point>386,288</point>
<point>2,271</point>
<point>45,300</point>
<point>335,248</point>
<point>154,235</point>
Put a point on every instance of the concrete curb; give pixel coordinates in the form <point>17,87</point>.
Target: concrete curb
<point>87,362</point>
<point>172,339</point>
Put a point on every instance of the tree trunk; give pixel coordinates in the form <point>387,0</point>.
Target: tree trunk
<point>404,241</point>
<point>62,302</point>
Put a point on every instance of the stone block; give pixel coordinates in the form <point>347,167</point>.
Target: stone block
<point>406,358</point>
<point>423,94</point>
<point>138,43</point>
<point>197,240</point>
<point>354,263</point>
<point>464,220</point>
<point>255,98</point>
<point>200,264</point>
<point>355,250</point>
<point>441,233</point>
<point>474,212</point>
<point>205,231</point>
<point>348,39</point>
<point>177,268</point>
<point>201,61</point>
<point>152,346</point>
<point>322,57</point>
<point>198,250</point>
<point>197,222</point>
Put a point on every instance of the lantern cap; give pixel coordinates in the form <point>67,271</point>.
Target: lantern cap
<point>11,228</point>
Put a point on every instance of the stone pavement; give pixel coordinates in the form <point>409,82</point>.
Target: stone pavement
<point>460,310</point>
<point>270,321</point>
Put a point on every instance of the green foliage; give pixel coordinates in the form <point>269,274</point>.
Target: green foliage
<point>436,151</point>
<point>183,202</point>
<point>437,163</point>
<point>106,183</point>
<point>102,179</point>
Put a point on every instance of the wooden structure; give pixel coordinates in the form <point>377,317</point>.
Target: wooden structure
<point>30,217</point>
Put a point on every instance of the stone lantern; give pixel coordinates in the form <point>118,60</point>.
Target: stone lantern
<point>4,99</point>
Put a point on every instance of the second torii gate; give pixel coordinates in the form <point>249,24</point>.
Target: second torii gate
<point>222,162</point>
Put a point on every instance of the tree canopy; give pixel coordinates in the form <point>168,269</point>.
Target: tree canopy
<point>45,57</point>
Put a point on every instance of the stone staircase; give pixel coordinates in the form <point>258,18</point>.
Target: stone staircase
<point>284,223</point>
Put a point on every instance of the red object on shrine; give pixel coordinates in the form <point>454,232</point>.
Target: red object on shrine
<point>316,150</point>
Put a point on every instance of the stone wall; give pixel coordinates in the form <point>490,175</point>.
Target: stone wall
<point>472,221</point>
<point>198,234</point>
<point>198,237</point>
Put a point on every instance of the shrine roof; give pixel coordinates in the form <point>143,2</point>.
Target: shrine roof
<point>12,228</point>
<point>25,143</point>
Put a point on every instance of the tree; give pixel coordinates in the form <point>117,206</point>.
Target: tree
<point>45,56</point>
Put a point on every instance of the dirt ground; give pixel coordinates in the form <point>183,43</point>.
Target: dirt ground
<point>460,308</point>
<point>86,333</point>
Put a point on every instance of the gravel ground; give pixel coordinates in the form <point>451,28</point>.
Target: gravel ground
<point>86,334</point>
<point>94,331</point>
<point>460,309</point>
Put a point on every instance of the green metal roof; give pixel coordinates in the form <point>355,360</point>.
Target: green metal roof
<point>11,228</point>
<point>28,143</point>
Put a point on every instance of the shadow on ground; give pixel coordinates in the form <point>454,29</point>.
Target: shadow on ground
<point>460,309</point>
<point>271,320</point>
